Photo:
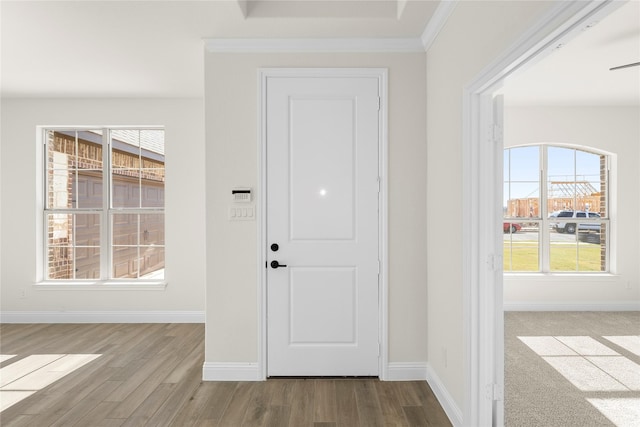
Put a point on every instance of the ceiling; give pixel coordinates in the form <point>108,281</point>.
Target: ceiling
<point>150,48</point>
<point>155,48</point>
<point>578,72</point>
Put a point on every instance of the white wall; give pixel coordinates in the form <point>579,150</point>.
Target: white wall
<point>232,247</point>
<point>617,131</point>
<point>476,33</point>
<point>185,218</point>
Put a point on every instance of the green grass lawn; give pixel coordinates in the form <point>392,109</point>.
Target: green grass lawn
<point>523,256</point>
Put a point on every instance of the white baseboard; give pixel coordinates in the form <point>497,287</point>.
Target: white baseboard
<point>212,371</point>
<point>406,371</point>
<point>573,306</point>
<point>102,317</point>
<point>232,371</point>
<point>442,394</point>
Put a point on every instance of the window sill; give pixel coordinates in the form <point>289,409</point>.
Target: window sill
<point>101,285</point>
<point>584,277</point>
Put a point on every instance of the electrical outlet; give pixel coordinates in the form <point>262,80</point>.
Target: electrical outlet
<point>23,293</point>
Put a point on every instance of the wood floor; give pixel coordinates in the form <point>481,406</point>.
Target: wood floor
<point>150,374</point>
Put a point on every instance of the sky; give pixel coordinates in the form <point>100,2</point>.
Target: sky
<point>522,169</point>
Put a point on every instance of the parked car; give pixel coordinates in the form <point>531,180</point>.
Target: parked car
<point>511,227</point>
<point>570,227</point>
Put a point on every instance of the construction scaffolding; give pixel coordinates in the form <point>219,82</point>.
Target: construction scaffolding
<point>561,195</point>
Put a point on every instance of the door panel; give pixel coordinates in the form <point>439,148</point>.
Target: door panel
<point>322,169</point>
<point>322,211</point>
<point>317,292</point>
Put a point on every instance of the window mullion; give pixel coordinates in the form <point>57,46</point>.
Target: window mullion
<point>105,217</point>
<point>138,247</point>
<point>545,238</point>
<point>140,171</point>
<point>75,206</point>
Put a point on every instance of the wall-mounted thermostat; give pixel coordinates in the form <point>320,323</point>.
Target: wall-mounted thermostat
<point>241,195</point>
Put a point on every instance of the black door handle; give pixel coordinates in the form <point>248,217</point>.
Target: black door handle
<point>276,264</point>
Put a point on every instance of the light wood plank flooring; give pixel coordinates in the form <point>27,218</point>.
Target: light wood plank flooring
<point>150,374</point>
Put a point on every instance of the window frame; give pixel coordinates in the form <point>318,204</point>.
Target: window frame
<point>544,221</point>
<point>106,213</point>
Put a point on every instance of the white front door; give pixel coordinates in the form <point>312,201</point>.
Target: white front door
<point>322,142</point>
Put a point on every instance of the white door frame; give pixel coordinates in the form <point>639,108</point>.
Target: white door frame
<point>382,75</point>
<point>482,288</point>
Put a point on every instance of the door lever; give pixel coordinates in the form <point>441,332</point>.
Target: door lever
<point>276,264</point>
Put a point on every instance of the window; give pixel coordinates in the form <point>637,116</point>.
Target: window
<point>555,202</point>
<point>104,204</point>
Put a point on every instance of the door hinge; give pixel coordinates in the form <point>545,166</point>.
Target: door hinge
<point>379,349</point>
<point>497,133</point>
<point>379,103</point>
<point>495,262</point>
<point>379,267</point>
<point>379,184</point>
<point>494,392</point>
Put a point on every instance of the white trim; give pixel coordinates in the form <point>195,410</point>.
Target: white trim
<point>215,371</point>
<point>102,317</point>
<point>562,277</point>
<point>327,45</point>
<point>100,286</point>
<point>406,371</point>
<point>382,75</point>
<point>437,22</point>
<point>383,221</point>
<point>41,186</point>
<point>542,39</point>
<point>261,215</point>
<point>480,307</point>
<point>105,211</point>
<point>573,306</point>
<point>447,401</point>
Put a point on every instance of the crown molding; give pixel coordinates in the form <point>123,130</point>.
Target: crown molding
<point>338,45</point>
<point>326,45</point>
<point>436,23</point>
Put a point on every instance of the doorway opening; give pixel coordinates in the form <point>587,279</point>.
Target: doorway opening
<point>482,191</point>
<point>553,115</point>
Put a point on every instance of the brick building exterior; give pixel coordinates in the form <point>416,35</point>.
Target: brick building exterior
<point>75,184</point>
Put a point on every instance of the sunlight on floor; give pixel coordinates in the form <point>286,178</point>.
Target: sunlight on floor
<point>584,375</point>
<point>592,366</point>
<point>24,377</point>
<point>630,343</point>
<point>621,412</point>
